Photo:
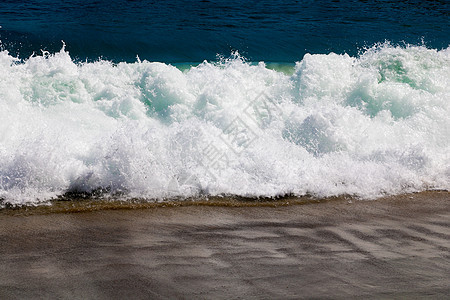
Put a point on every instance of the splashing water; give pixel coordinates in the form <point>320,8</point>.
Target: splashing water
<point>366,126</point>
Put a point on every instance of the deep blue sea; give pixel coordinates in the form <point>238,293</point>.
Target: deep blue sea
<point>175,99</point>
<point>192,31</point>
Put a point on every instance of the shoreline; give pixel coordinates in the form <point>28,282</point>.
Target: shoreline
<point>77,204</point>
<point>391,247</point>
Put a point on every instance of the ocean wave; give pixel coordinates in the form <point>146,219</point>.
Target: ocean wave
<point>373,125</point>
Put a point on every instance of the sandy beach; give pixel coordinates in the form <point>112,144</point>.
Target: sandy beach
<point>389,248</point>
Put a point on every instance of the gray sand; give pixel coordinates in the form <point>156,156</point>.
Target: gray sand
<point>394,247</point>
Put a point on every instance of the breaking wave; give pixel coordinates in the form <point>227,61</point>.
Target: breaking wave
<point>373,125</point>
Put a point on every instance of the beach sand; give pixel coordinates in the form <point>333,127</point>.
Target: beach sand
<point>392,247</point>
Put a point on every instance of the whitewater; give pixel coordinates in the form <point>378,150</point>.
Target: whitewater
<point>367,126</point>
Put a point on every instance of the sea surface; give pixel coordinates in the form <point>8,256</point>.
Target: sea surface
<point>164,100</point>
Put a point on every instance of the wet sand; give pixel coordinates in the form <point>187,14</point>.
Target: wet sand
<point>392,247</point>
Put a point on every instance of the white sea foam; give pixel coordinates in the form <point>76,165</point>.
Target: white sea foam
<point>367,126</point>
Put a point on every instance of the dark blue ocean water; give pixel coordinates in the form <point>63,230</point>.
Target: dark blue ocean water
<point>368,121</point>
<point>192,31</point>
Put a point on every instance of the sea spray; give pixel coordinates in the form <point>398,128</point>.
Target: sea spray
<point>367,126</point>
